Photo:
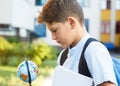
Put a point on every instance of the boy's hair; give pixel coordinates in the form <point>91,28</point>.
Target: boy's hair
<point>59,10</point>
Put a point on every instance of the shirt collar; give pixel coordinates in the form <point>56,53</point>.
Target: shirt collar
<point>79,45</point>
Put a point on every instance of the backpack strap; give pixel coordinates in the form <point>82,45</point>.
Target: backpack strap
<point>82,67</point>
<point>64,56</point>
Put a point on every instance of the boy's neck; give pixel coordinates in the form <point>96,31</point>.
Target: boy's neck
<point>79,35</point>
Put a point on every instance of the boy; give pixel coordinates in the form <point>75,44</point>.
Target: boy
<point>65,20</point>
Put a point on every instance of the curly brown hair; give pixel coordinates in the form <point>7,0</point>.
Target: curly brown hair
<point>59,10</point>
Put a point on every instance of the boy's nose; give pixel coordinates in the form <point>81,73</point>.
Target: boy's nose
<point>53,37</point>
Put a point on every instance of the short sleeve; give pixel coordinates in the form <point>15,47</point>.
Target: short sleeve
<point>99,63</point>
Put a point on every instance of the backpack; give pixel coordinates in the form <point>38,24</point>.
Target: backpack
<point>83,68</point>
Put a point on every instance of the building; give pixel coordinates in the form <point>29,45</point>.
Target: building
<point>16,18</point>
<point>102,20</point>
<point>110,23</point>
<point>92,17</point>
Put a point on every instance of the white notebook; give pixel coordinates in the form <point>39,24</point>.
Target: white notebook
<point>66,77</point>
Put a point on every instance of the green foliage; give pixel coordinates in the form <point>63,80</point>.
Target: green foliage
<point>42,51</point>
<point>14,60</point>
<point>13,54</point>
<point>12,39</point>
<point>4,44</point>
<point>20,49</point>
<point>5,48</point>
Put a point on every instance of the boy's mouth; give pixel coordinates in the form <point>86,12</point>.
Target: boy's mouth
<point>58,42</point>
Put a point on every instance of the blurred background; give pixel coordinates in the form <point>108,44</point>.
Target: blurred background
<point>21,37</point>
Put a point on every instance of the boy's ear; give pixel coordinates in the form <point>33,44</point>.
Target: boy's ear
<point>72,21</point>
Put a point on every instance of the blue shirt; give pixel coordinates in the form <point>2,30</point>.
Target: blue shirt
<point>97,57</point>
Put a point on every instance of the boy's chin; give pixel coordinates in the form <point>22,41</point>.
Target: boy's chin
<point>63,46</point>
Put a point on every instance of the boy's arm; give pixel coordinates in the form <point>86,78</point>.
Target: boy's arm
<point>107,84</point>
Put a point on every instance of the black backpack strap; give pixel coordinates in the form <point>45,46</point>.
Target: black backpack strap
<point>82,67</point>
<point>64,56</point>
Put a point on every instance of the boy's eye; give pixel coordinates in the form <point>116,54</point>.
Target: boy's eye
<point>54,30</point>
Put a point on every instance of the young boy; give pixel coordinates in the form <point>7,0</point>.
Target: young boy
<point>65,20</point>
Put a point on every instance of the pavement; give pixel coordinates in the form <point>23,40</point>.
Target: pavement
<point>48,80</point>
<point>116,55</point>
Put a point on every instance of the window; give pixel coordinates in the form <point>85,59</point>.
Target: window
<point>4,26</point>
<point>118,27</point>
<point>87,24</point>
<point>40,2</point>
<point>105,4</point>
<point>105,27</point>
<point>6,29</point>
<point>108,4</point>
<point>117,4</point>
<point>40,29</point>
<point>84,3</point>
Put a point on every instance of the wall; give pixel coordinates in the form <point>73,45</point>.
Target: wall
<point>93,14</point>
<point>23,14</point>
<point>5,11</point>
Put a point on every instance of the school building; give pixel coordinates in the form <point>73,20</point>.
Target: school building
<point>19,18</point>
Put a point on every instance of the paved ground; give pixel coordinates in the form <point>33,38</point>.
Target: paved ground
<point>117,55</point>
<point>48,80</point>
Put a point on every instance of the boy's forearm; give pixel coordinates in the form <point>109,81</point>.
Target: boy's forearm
<point>107,84</point>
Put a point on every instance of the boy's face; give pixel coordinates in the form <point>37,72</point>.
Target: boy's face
<point>62,33</point>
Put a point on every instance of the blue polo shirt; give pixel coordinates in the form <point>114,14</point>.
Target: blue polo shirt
<point>97,57</point>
